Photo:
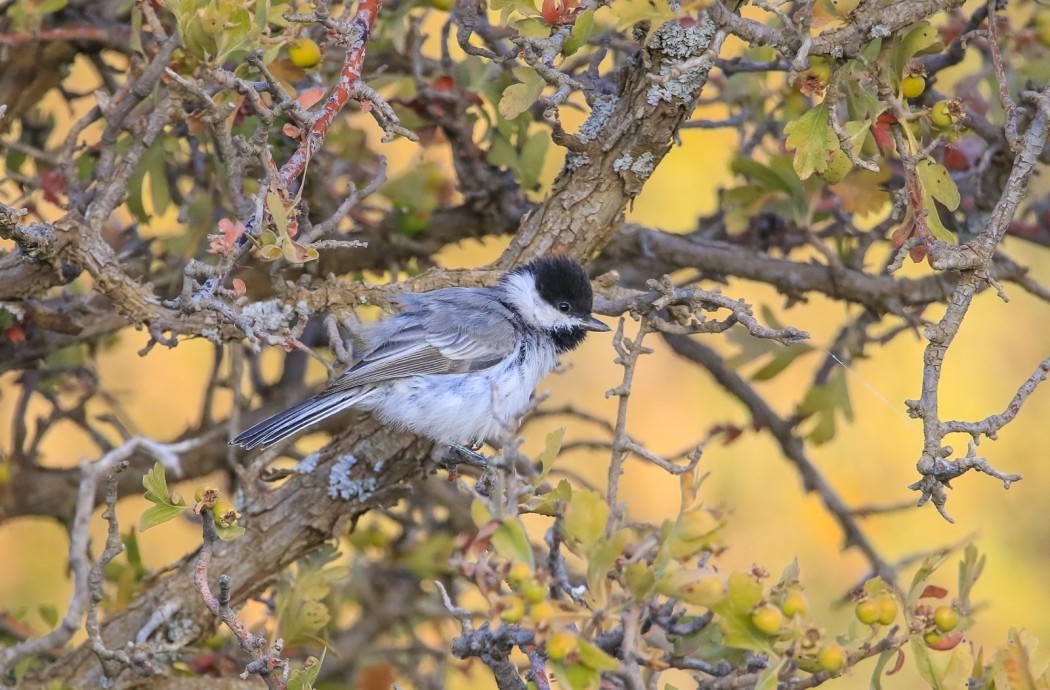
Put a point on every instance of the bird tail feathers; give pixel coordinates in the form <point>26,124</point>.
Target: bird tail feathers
<point>294,419</point>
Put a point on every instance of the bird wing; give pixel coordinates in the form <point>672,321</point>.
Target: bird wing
<point>448,331</point>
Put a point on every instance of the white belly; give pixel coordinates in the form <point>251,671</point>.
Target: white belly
<point>460,409</point>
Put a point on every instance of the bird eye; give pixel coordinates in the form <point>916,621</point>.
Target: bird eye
<point>563,307</point>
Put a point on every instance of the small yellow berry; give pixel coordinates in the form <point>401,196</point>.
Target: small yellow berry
<point>225,514</point>
<point>913,86</point>
<point>887,609</point>
<point>561,644</point>
<point>945,618</point>
<point>794,604</point>
<point>941,115</point>
<point>767,619</point>
<point>867,612</point>
<point>832,658</point>
<point>304,53</point>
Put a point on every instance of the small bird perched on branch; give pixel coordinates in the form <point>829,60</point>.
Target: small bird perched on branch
<point>458,364</point>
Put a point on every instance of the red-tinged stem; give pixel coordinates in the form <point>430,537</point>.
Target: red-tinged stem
<point>361,28</point>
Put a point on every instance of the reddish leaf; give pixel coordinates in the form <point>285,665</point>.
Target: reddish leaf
<point>947,642</point>
<point>933,592</point>
<point>443,84</point>
<point>917,253</point>
<point>898,665</point>
<point>16,334</point>
<point>551,12</point>
<point>310,97</point>
<point>224,243</point>
<point>53,183</point>
<point>239,287</point>
<point>881,132</point>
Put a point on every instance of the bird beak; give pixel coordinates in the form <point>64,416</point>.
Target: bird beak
<point>593,324</point>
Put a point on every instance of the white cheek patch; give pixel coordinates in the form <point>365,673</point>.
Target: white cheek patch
<point>521,290</point>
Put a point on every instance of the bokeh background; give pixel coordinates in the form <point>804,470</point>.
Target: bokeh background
<point>870,461</point>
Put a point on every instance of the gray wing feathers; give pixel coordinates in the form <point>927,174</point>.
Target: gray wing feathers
<point>447,331</point>
<point>284,424</point>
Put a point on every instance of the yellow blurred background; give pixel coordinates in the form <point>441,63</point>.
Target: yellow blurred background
<point>674,404</point>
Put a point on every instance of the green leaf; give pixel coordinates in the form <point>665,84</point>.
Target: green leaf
<point>880,666</point>
<point>517,98</point>
<point>530,162</point>
<point>551,448</point>
<point>925,666</point>
<point>937,185</point>
<point>631,12</point>
<point>601,556</point>
<point>813,140</point>
<point>582,29</point>
<point>49,614</point>
<point>767,679</point>
<point>48,7</point>
<point>781,359</point>
<point>765,176</point>
<point>278,212</point>
<point>159,514</point>
<point>304,678</point>
<point>229,532</point>
<point>511,542</point>
<point>594,657</point>
<point>548,503</point>
<point>156,485</point>
<point>921,40</point>
<point>533,28</point>
<point>743,595</point>
<point>506,7</point>
<point>576,676</point>
<point>586,515</point>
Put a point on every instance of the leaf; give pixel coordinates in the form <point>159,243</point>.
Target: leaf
<point>303,678</point>
<point>631,12</point>
<point>594,657</point>
<point>511,542</point>
<point>601,556</point>
<point>585,517</point>
<point>813,140</point>
<point>159,514</point>
<point>532,28</point>
<point>506,7</point>
<point>767,679</point>
<point>48,7</point>
<point>547,504</point>
<point>921,40</point>
<point>517,98</point>
<point>278,212</point>
<point>156,485</point>
<point>229,532</point>
<point>880,665</point>
<point>296,253</point>
<point>937,185</point>
<point>863,192</point>
<point>781,359</point>
<point>743,595</point>
<point>530,161</point>
<point>575,676</point>
<point>924,664</point>
<point>49,614</point>
<point>582,29</point>
<point>551,448</point>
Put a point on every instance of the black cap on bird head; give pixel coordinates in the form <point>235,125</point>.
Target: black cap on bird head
<point>561,281</point>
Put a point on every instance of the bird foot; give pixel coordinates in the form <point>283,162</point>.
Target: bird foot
<point>464,455</point>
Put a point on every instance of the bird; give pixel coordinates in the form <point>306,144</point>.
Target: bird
<point>456,365</point>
